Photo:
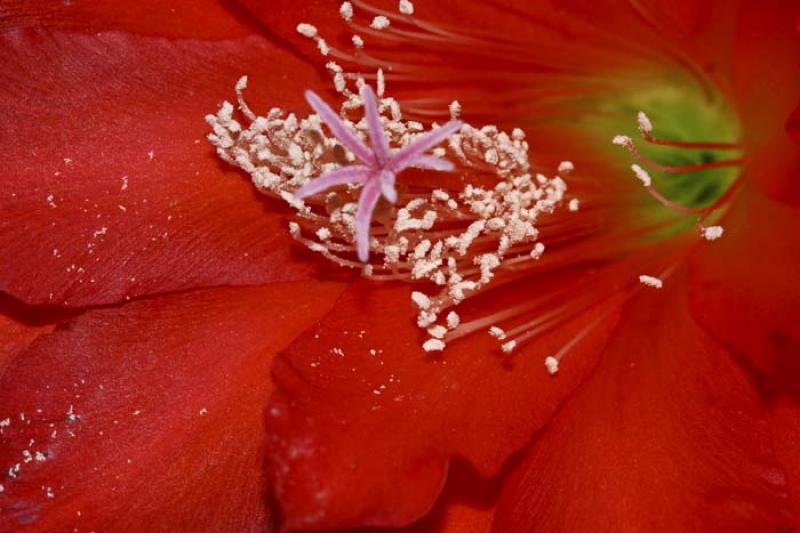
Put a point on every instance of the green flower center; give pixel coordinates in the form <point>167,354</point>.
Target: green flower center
<point>682,114</point>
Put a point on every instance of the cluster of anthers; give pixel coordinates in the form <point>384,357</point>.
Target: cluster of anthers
<point>451,239</point>
<point>710,233</point>
<point>707,232</point>
<point>478,224</point>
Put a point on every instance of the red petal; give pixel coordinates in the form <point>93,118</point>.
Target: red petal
<point>667,435</point>
<point>192,19</point>
<point>85,124</point>
<point>744,288</point>
<point>784,422</point>
<point>19,326</point>
<point>466,506</point>
<point>767,93</point>
<point>167,396</point>
<point>348,430</point>
<point>544,42</point>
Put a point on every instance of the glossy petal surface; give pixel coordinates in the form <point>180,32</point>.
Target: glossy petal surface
<point>109,169</point>
<point>365,422</point>
<point>150,415</point>
<point>744,287</point>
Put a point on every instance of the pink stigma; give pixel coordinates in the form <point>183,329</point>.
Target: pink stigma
<point>379,166</point>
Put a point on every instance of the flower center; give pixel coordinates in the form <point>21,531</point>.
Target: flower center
<point>686,147</point>
<point>477,237</point>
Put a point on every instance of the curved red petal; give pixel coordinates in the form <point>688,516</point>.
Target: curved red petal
<point>361,409</point>
<point>668,435</point>
<point>110,189</point>
<point>466,506</point>
<point>20,326</point>
<point>744,288</point>
<point>191,19</point>
<point>150,415</point>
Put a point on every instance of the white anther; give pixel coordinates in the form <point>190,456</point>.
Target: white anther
<point>574,204</point>
<point>642,175</point>
<point>651,281</point>
<point>406,7</point>
<point>551,363</point>
<point>380,23</point>
<point>422,300</point>
<point>324,234</point>
<point>509,346</point>
<point>453,320</point>
<point>437,331</point>
<point>307,30</point>
<point>645,126</point>
<point>455,109</point>
<point>497,332</point>
<point>433,345</point>
<point>346,11</point>
<point>712,233</point>
<point>565,167</point>
<point>622,140</point>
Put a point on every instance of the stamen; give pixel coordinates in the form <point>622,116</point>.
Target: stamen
<point>456,240</point>
<point>646,128</point>
<point>627,143</point>
<point>467,237</point>
<point>552,362</point>
<point>462,238</point>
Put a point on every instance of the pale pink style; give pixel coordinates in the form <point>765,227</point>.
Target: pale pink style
<point>379,164</point>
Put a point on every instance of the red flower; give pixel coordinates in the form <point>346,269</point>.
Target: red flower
<point>149,287</point>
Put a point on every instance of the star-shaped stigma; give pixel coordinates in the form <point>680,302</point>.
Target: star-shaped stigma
<point>379,164</point>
